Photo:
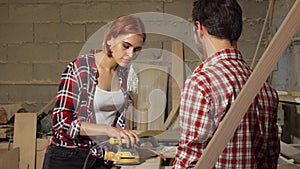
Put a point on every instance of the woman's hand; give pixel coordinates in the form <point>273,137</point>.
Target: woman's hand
<point>91,129</point>
<point>130,137</point>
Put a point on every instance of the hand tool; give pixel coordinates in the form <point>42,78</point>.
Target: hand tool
<point>121,155</point>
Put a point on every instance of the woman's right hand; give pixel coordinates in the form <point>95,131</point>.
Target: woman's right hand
<point>92,129</point>
<point>130,136</point>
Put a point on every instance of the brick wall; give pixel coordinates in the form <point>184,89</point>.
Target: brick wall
<point>38,38</point>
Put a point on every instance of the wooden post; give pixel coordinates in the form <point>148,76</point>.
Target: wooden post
<point>260,74</point>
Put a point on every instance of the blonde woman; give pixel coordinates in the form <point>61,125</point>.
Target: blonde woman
<point>92,99</point>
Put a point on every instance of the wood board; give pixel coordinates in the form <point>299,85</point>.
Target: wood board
<point>41,146</point>
<point>171,136</point>
<point>9,159</point>
<point>25,138</point>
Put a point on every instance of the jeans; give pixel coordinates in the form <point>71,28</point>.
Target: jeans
<point>71,158</point>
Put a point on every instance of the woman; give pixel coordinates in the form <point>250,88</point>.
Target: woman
<point>92,100</point>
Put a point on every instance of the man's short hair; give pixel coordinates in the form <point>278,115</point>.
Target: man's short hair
<point>221,18</point>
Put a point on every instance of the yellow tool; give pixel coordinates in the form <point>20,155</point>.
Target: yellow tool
<point>121,155</point>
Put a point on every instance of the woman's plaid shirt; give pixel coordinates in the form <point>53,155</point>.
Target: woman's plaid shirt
<point>74,104</point>
<point>207,96</point>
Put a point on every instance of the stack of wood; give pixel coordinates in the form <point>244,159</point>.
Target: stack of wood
<point>7,113</point>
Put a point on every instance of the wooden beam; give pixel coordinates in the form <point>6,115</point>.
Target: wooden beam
<point>25,138</point>
<point>260,74</point>
<point>262,32</point>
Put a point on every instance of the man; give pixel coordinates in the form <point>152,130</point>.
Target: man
<point>212,88</point>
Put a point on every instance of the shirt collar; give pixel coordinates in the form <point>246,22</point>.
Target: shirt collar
<point>224,54</point>
<point>229,53</point>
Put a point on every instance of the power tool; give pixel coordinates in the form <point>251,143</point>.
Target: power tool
<point>121,155</point>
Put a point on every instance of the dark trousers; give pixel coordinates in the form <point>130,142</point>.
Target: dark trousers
<point>71,158</point>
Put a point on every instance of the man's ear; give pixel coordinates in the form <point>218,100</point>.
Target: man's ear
<point>199,28</point>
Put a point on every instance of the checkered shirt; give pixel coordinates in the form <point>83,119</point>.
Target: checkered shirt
<point>74,104</point>
<point>206,97</point>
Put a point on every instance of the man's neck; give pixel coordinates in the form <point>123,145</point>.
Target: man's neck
<point>214,45</point>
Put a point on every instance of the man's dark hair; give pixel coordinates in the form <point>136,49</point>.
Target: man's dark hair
<point>222,18</point>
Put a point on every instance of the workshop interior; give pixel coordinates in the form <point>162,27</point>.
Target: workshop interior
<point>40,37</point>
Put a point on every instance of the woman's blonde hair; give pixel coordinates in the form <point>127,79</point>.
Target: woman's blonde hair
<point>123,25</point>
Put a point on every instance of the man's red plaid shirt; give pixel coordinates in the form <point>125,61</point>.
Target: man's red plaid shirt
<point>207,96</point>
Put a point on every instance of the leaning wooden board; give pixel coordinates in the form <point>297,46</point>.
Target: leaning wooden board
<point>25,138</point>
<point>260,74</point>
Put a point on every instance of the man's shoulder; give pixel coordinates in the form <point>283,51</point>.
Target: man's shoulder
<point>200,78</point>
<point>268,95</point>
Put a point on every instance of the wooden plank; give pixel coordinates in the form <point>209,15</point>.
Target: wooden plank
<point>177,71</point>
<point>25,138</point>
<point>177,81</point>
<point>161,135</point>
<point>41,145</point>
<point>294,93</point>
<point>260,74</point>
<point>6,145</point>
<point>262,32</point>
<point>289,99</point>
<point>9,159</point>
